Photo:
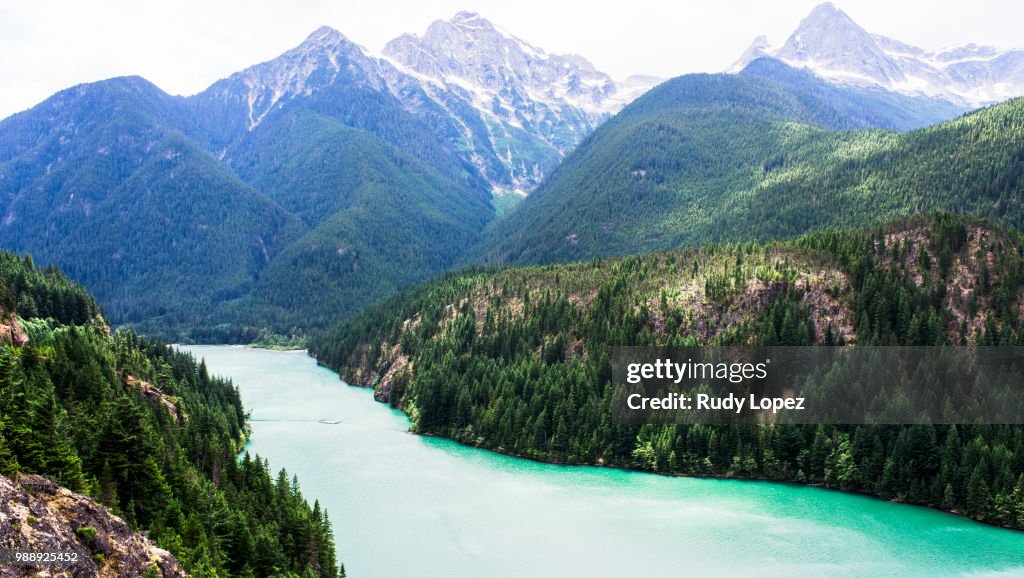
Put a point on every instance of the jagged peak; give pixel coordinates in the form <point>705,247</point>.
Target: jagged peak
<point>468,17</point>
<point>827,15</point>
<point>759,48</point>
<point>580,62</point>
<point>323,43</point>
<point>468,22</point>
<point>324,36</point>
<point>474,25</point>
<point>827,10</point>
<point>829,43</point>
<point>464,26</point>
<point>288,75</point>
<point>761,41</point>
<point>405,36</point>
<point>827,33</point>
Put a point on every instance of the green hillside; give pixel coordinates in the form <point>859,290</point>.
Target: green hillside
<point>290,228</point>
<point>380,221</point>
<point>147,432</point>
<point>517,360</point>
<point>191,222</point>
<point>132,207</point>
<point>717,158</point>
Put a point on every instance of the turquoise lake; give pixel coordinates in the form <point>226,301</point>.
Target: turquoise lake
<point>406,505</point>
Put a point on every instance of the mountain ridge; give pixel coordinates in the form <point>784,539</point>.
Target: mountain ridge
<point>511,134</point>
<point>829,43</point>
<point>730,158</point>
<point>194,212</point>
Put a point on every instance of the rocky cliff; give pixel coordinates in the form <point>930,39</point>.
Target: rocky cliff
<point>38,515</point>
<point>11,332</point>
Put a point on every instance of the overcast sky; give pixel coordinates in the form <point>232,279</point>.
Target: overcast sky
<point>185,45</point>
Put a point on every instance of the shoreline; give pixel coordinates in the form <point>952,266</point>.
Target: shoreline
<point>954,513</point>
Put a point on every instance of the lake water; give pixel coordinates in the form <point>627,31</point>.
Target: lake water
<point>405,505</point>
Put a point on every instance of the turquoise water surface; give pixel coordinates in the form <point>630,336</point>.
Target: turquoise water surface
<point>405,505</point>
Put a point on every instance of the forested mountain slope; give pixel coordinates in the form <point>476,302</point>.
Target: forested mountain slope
<point>716,158</point>
<point>147,432</point>
<point>99,179</point>
<point>113,181</point>
<point>376,221</point>
<point>872,107</point>
<point>297,191</point>
<point>517,360</point>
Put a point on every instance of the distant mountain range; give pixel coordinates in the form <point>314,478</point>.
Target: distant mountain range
<point>300,190</point>
<point>508,110</point>
<point>758,156</point>
<point>833,46</point>
<point>533,107</point>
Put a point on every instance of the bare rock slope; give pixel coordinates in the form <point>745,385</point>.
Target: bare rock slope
<point>38,515</point>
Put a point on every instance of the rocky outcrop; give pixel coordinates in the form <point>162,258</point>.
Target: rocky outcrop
<point>156,395</point>
<point>11,332</point>
<point>38,515</point>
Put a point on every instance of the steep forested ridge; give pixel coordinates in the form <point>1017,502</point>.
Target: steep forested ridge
<point>863,106</point>
<point>378,222</point>
<point>104,180</point>
<point>517,360</point>
<point>716,158</point>
<point>187,227</point>
<point>292,194</point>
<point>146,431</point>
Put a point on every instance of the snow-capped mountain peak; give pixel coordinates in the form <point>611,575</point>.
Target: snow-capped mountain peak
<point>508,108</point>
<point>479,56</point>
<point>758,48</point>
<point>829,39</point>
<point>528,98</point>
<point>829,43</point>
<point>468,19</point>
<point>325,35</point>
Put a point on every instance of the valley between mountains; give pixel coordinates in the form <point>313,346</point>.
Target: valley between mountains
<point>292,194</point>
<point>467,224</point>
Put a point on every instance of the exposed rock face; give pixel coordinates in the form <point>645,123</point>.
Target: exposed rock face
<point>507,75</point>
<point>154,393</point>
<point>534,106</point>
<point>11,332</point>
<point>507,108</point>
<point>829,37</point>
<point>325,58</point>
<point>38,515</point>
<point>831,44</point>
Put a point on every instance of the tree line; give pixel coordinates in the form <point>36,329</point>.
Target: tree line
<point>145,430</point>
<point>517,359</point>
